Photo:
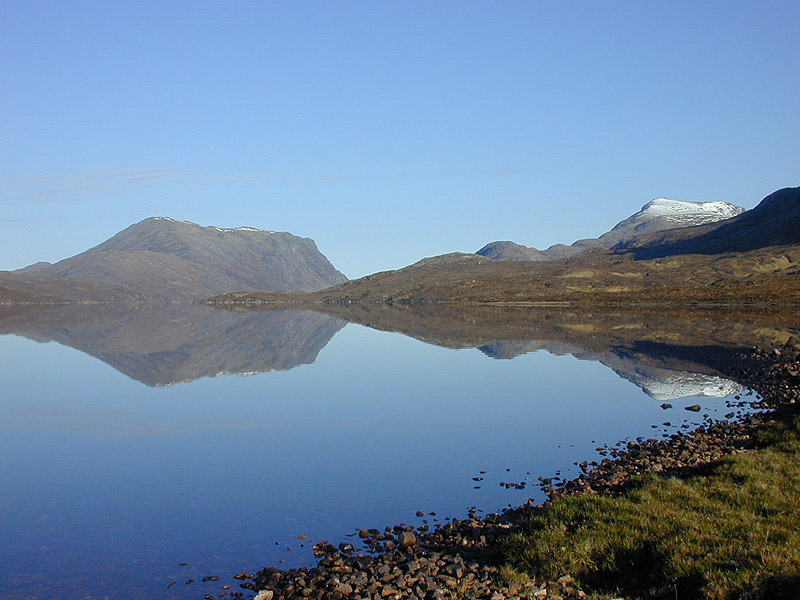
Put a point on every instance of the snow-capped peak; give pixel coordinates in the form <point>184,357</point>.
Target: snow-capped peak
<point>665,213</point>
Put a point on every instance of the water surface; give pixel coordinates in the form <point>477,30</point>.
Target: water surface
<point>137,439</point>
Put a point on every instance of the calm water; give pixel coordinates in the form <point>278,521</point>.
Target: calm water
<point>129,444</point>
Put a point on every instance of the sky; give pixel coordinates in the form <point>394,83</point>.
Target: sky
<point>386,131</point>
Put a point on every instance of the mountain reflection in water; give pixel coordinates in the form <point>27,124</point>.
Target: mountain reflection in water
<point>167,344</point>
<point>666,355</point>
<point>661,382</point>
<point>667,352</point>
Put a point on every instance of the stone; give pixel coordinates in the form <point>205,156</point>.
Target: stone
<point>344,589</point>
<point>407,539</point>
<point>264,595</point>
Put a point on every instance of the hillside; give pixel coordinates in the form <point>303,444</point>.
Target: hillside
<point>764,275</point>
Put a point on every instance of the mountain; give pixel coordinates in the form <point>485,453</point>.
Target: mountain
<point>657,215</point>
<point>774,222</point>
<point>166,259</point>
<point>662,214</point>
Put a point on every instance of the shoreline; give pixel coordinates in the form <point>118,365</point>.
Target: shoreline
<point>464,558</point>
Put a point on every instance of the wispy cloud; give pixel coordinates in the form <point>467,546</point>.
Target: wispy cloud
<point>71,187</point>
<point>109,181</point>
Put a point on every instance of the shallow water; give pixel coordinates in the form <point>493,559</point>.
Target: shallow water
<point>130,445</point>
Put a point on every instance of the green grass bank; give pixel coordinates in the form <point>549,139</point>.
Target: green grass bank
<point>726,530</point>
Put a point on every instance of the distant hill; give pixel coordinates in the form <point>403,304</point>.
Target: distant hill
<point>166,259</point>
<point>774,222</point>
<point>507,250</point>
<point>657,215</point>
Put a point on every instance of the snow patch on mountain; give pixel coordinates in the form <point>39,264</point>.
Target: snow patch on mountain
<point>171,220</point>
<point>663,213</point>
<point>681,211</point>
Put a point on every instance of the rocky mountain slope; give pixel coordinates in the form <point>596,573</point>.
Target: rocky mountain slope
<point>657,215</point>
<point>166,259</point>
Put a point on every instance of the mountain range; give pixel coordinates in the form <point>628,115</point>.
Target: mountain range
<point>753,256</point>
<point>165,259</point>
<point>657,215</point>
<point>665,227</point>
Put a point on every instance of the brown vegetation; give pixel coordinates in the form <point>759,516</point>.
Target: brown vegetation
<point>764,276</point>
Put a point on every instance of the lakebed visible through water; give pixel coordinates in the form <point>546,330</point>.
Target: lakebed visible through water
<point>130,446</point>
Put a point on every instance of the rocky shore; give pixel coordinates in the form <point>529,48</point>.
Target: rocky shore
<point>461,559</point>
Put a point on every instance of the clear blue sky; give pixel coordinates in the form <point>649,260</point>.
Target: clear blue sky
<point>386,131</point>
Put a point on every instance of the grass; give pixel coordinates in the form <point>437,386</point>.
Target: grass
<point>512,577</point>
<point>729,531</point>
